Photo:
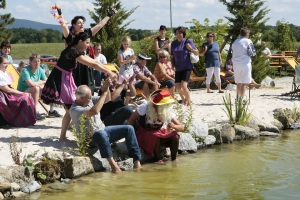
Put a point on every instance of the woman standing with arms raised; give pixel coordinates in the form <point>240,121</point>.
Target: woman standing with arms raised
<point>84,75</point>
<point>180,59</point>
<point>213,61</point>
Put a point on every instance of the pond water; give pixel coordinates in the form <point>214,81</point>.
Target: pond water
<point>264,168</point>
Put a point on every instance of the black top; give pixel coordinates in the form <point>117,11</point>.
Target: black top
<point>67,59</point>
<point>162,43</point>
<point>111,106</point>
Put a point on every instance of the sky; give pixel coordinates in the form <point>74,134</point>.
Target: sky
<point>150,14</point>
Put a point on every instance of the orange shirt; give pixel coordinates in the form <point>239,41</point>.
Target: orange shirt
<point>161,69</point>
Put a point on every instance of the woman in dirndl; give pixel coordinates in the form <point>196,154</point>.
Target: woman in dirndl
<point>60,87</point>
<point>16,108</point>
<point>158,125</point>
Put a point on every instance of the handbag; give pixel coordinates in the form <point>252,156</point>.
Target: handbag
<point>193,58</point>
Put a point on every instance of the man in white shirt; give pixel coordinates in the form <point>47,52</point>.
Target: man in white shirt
<point>102,59</point>
<point>242,50</point>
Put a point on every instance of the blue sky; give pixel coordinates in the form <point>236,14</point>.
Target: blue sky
<point>150,14</point>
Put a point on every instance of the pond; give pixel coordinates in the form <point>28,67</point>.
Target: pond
<point>264,168</point>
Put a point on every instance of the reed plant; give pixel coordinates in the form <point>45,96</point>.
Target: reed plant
<point>82,137</point>
<point>238,114</point>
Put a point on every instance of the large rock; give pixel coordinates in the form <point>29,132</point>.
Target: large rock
<point>187,143</point>
<point>277,123</point>
<point>4,184</point>
<point>198,128</point>
<point>15,187</point>
<point>209,140</point>
<point>259,125</point>
<point>270,134</point>
<point>17,174</point>
<point>1,196</point>
<point>280,116</point>
<point>227,133</point>
<point>78,166</point>
<point>17,195</point>
<point>216,132</point>
<point>242,132</point>
<point>126,165</point>
<point>31,187</point>
<point>268,81</point>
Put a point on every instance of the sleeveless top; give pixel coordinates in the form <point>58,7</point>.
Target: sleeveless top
<point>162,42</point>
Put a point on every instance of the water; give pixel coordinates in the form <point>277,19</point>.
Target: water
<point>264,168</point>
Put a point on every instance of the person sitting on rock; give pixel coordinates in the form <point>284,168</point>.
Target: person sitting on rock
<point>117,111</point>
<point>157,125</point>
<point>90,106</point>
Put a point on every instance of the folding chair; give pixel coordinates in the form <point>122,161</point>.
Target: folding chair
<point>15,75</point>
<point>295,92</point>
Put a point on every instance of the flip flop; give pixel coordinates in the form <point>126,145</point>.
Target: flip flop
<point>210,92</point>
<point>220,91</point>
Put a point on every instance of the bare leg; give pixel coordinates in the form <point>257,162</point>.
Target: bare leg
<point>64,125</point>
<point>172,90</point>
<point>186,92</point>
<point>219,86</point>
<point>180,92</point>
<point>35,93</point>
<point>174,147</point>
<point>156,152</point>
<point>146,90</point>
<point>114,167</point>
<point>243,89</point>
<point>208,88</point>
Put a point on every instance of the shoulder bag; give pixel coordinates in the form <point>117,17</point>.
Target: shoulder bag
<point>194,58</point>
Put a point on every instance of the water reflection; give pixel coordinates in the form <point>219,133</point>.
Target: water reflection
<point>264,168</point>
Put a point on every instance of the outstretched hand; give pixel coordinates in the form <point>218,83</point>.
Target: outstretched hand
<point>111,12</point>
<point>106,84</point>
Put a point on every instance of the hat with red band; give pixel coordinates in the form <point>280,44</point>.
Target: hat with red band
<point>161,97</point>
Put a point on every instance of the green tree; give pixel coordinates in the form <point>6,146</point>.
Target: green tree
<point>111,34</point>
<point>251,14</point>
<point>284,40</point>
<point>5,19</point>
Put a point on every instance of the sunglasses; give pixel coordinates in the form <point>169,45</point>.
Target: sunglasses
<point>162,56</point>
<point>209,36</point>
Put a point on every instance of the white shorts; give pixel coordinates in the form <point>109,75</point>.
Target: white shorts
<point>242,73</point>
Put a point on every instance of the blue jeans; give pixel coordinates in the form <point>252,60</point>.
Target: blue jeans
<point>103,138</point>
<point>119,116</point>
<point>98,76</point>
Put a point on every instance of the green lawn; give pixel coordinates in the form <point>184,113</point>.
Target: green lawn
<point>20,51</point>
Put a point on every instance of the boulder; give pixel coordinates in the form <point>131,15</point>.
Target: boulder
<point>17,174</point>
<point>198,128</point>
<point>31,187</point>
<point>216,132</point>
<point>1,196</point>
<point>187,143</point>
<point>259,125</point>
<point>59,186</point>
<point>268,81</point>
<point>277,123</point>
<point>267,133</point>
<point>227,133</point>
<point>4,184</point>
<point>126,165</point>
<point>280,116</point>
<point>17,194</point>
<point>242,132</point>
<point>78,166</point>
<point>15,187</point>
<point>270,128</point>
<point>209,140</point>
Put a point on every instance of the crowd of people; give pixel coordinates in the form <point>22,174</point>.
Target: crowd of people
<point>80,71</point>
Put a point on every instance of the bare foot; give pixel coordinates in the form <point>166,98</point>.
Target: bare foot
<point>160,162</point>
<point>176,160</point>
<point>116,170</point>
<point>137,164</point>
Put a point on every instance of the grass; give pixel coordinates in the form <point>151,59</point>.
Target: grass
<point>20,51</point>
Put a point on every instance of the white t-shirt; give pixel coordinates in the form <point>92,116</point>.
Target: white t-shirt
<point>101,58</point>
<point>239,51</point>
<point>4,79</point>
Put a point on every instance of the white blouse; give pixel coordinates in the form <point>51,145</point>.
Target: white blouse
<point>4,79</point>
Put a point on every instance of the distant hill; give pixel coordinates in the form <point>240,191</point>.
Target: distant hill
<point>19,23</point>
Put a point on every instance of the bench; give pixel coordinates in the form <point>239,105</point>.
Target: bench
<point>278,67</point>
<point>197,79</point>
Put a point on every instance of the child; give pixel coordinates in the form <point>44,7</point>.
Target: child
<point>126,59</point>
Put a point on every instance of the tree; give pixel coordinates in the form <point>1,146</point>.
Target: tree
<point>251,14</point>
<point>111,34</point>
<point>284,40</point>
<point>5,19</point>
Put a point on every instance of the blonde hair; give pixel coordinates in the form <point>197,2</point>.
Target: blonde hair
<point>33,56</point>
<point>22,63</point>
<point>164,52</point>
<point>162,114</point>
<point>125,39</point>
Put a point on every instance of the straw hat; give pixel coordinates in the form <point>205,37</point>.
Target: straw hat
<point>161,97</point>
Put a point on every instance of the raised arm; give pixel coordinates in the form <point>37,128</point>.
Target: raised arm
<point>97,27</point>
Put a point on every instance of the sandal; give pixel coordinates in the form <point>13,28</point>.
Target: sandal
<point>210,92</point>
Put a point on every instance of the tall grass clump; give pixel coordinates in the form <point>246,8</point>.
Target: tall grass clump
<point>238,114</point>
<point>82,137</point>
